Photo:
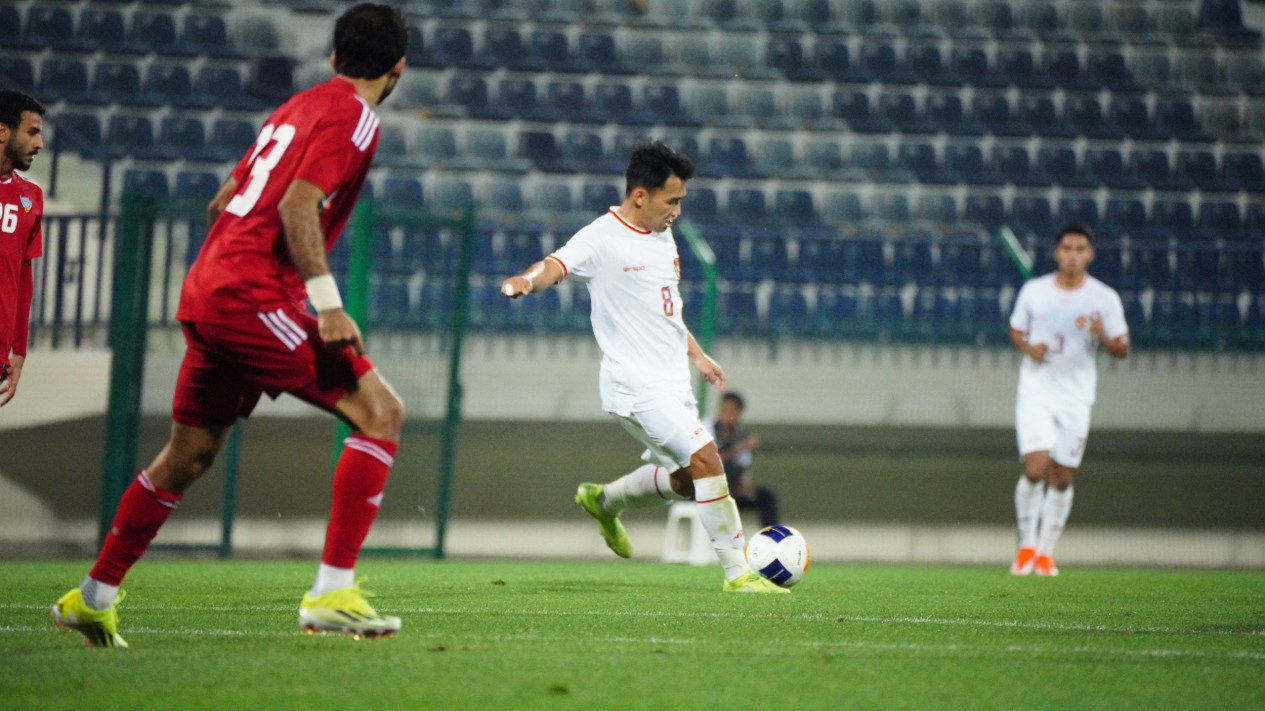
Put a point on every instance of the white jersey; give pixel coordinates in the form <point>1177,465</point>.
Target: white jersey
<point>1059,318</point>
<point>633,277</point>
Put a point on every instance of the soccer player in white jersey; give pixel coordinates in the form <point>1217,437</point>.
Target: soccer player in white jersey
<point>628,259</point>
<point>1059,323</point>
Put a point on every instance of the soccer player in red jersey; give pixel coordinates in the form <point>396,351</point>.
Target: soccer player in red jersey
<point>21,237</point>
<point>248,332</point>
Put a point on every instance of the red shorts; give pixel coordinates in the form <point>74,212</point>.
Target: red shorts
<point>226,367</point>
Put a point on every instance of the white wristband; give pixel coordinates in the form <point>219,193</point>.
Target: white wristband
<point>322,291</point>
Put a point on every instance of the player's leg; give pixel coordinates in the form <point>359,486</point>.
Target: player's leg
<point>648,485</point>
<point>1035,432</point>
<point>377,416</point>
<point>1065,457</point>
<point>209,395</point>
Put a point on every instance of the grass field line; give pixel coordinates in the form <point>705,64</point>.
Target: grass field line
<point>815,645</point>
<point>546,612</point>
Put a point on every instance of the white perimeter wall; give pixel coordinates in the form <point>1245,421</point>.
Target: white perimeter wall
<point>556,379</point>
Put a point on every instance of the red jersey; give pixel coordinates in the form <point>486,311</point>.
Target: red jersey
<point>21,240</point>
<point>325,135</point>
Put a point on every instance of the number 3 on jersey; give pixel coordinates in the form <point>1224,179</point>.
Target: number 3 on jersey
<point>261,166</point>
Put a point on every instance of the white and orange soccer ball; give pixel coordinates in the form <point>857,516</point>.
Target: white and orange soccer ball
<point>779,553</point>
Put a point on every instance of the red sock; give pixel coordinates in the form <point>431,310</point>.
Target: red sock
<point>359,479</point>
<point>142,511</point>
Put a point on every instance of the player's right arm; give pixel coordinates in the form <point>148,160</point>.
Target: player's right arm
<point>539,276</point>
<point>220,201</point>
<point>301,220</point>
<point>1035,351</point>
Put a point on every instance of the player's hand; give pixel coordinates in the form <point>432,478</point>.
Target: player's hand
<point>710,370</point>
<point>1038,351</point>
<point>1095,327</point>
<point>339,331</point>
<point>9,375</point>
<point>516,286</point>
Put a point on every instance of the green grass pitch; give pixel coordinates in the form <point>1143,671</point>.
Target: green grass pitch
<point>627,635</point>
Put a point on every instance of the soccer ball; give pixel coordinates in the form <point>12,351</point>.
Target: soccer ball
<point>779,553</point>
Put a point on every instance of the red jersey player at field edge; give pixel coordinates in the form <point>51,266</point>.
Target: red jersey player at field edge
<point>247,332</point>
<point>21,237</point>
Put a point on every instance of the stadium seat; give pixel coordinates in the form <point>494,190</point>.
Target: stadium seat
<point>157,32</point>
<point>1013,163</point>
<point>832,57</point>
<point>854,108</point>
<point>1041,117</point>
<point>1031,215</point>
<point>1064,68</point>
<point>663,101</point>
<point>597,198</point>
<point>1200,168</point>
<point>172,85</point>
<point>183,137</point>
<point>971,64</point>
<point>920,159</point>
<point>230,138</point>
<point>597,50</point>
<point>1243,171</point>
<point>645,54</point>
<point>11,35</point>
<point>748,206</point>
<point>788,312</point>
<point>769,259</point>
<point>1109,69</point>
<point>196,187</point>
<point>776,157</point>
<point>1219,219</point>
<point>786,54</point>
<point>541,148</point>
<point>207,35</point>
<point>987,210</point>
<point>793,209</point>
<point>1085,116</point>
<point>1125,215</point>
<point>150,182</point>
<point>271,79</point>
<point>17,73</point>
<point>1153,166</point>
<point>1106,166</point>
<point>586,154</point>
<point>728,156</point>
<point>52,27</point>
<point>842,208</point>
<point>823,159</point>
<point>876,61</point>
<point>1060,165</point>
<point>939,208</point>
<point>1078,210</point>
<point>552,49</point>
<point>740,55</point>
<point>570,100</point>
<point>79,133</point>
<point>890,207</point>
<point>1019,68</point>
<point>1176,115</point>
<point>944,112</point>
<point>900,111</point>
<point>130,136</point>
<point>470,93</point>
<point>871,158</point>
<point>994,113</point>
<point>966,163</point>
<point>67,79</point>
<point>120,82</point>
<point>504,47</point>
<point>1170,218</point>
<point>1133,118</point>
<point>105,29</point>
<point>613,102</point>
<point>223,86</point>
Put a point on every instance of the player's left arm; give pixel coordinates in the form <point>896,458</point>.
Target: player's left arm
<point>220,201</point>
<point>301,220</point>
<point>1103,325</point>
<point>11,374</point>
<point>708,368</point>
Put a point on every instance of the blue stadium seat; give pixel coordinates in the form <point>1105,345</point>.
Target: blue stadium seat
<point>52,27</point>
<point>541,148</point>
<point>786,54</point>
<point>223,86</point>
<point>17,73</point>
<point>79,133</point>
<point>1107,166</point>
<point>271,79</point>
<point>788,313</point>
<point>11,35</point>
<point>1153,166</point>
<point>971,64</point>
<point>1109,69</point>
<point>645,54</point>
<point>842,207</point>
<point>912,259</point>
<point>1078,210</point>
<point>437,146</point>
<point>1177,117</point>
<point>183,137</point>
<point>469,92</point>
<point>106,30</point>
<point>1020,68</point>
<point>920,159</point>
<point>1040,116</point>
<point>67,79</point>
<point>1219,219</point>
<point>944,112</point>
<point>748,206</point>
<point>871,158</point>
<point>1243,171</point>
<point>900,110</point>
<point>552,49</point>
<point>1133,117</point>
<point>207,35</point>
<point>961,262</point>
<point>728,156</point>
<point>1013,163</point>
<point>994,113</point>
<point>794,210</point>
<point>584,151</point>
<point>834,314</point>
<point>890,207</point>
<point>939,208</point>
<point>1200,168</point>
<point>569,98</point>
<point>197,187</point>
<point>597,198</point>
<point>664,102</point>
<point>1031,215</point>
<point>1060,165</point>
<point>597,50</point>
<point>769,259</point>
<point>966,163</point>
<point>1063,66</point>
<point>172,85</point>
<point>986,210</point>
<point>148,182</point>
<point>157,32</point>
<point>518,99</point>
<point>130,136</point>
<point>1125,215</point>
<point>1085,116</point>
<point>854,108</point>
<point>1170,218</point>
<point>503,46</point>
<point>454,47</point>
<point>823,158</point>
<point>738,312</point>
<point>120,82</point>
<point>613,101</point>
<point>231,138</point>
<point>776,157</point>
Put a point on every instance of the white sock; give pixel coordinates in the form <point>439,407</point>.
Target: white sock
<point>98,595</point>
<point>1027,510</point>
<point>647,485</point>
<point>719,515</point>
<point>329,578</point>
<point>1054,511</point>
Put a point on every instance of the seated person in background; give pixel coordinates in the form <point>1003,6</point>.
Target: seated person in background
<point>736,445</point>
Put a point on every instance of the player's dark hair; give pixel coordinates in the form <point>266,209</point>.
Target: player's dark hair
<point>13,104</point>
<point>1074,229</point>
<point>652,163</point>
<point>735,398</point>
<point>368,40</point>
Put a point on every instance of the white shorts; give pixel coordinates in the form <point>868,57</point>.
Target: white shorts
<point>1061,430</point>
<point>669,427</point>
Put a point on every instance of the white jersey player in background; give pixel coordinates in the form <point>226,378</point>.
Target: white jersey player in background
<point>1059,322</point>
<point>628,259</point>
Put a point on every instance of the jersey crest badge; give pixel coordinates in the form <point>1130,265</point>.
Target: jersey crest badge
<point>676,264</point>
<point>26,202</point>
